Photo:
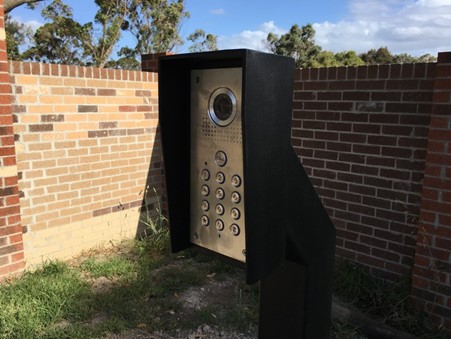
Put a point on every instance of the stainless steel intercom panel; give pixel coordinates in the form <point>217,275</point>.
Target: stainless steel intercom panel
<point>216,178</point>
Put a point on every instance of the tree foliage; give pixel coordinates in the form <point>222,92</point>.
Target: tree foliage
<point>201,41</point>
<point>299,43</point>
<point>57,41</point>
<point>384,56</point>
<point>111,19</point>
<point>155,24</point>
<point>9,5</point>
<point>17,34</point>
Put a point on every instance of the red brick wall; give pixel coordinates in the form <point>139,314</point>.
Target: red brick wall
<point>432,271</point>
<point>361,133</point>
<point>11,244</point>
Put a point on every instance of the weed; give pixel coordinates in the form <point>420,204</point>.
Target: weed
<point>156,232</point>
<point>41,299</point>
<point>112,267</point>
<point>381,299</point>
<point>345,331</point>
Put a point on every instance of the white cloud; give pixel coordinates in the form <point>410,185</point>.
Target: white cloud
<point>250,39</point>
<point>33,24</point>
<point>404,26</point>
<point>218,11</point>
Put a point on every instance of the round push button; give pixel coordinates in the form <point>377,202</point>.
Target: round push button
<point>236,197</point>
<point>235,213</point>
<point>204,220</point>
<point>220,194</point>
<point>219,225</point>
<point>236,181</point>
<point>219,209</point>
<point>220,158</point>
<point>205,205</point>
<point>205,174</point>
<point>205,190</point>
<point>220,178</point>
<point>235,229</point>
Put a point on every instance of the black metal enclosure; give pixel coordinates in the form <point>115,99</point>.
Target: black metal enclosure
<point>288,234</point>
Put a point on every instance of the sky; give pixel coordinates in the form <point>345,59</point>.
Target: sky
<point>415,27</point>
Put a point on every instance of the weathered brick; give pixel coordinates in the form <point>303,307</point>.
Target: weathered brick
<point>41,128</point>
<point>88,108</point>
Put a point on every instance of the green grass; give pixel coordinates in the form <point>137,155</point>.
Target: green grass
<point>389,301</point>
<point>59,301</point>
<point>146,290</point>
<point>113,267</point>
<point>39,300</point>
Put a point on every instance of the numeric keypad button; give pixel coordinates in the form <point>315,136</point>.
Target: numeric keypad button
<point>235,229</point>
<point>220,194</point>
<point>236,197</point>
<point>220,178</point>
<point>219,225</point>
<point>204,220</point>
<point>205,205</point>
<point>236,181</point>
<point>235,213</point>
<point>205,174</point>
<point>219,209</point>
<point>205,190</point>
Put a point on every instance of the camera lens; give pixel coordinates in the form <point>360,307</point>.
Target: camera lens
<point>223,107</point>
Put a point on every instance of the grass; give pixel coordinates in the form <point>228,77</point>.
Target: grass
<point>389,301</point>
<point>40,299</point>
<point>144,290</point>
<point>146,287</point>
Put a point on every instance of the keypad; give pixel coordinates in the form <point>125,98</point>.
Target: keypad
<point>224,187</point>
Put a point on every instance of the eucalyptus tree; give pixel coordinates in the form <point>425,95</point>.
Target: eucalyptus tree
<point>155,24</point>
<point>9,5</point>
<point>298,43</point>
<point>201,41</point>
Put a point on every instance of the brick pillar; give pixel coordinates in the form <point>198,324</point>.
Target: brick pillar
<point>11,244</point>
<point>431,284</point>
<point>149,62</point>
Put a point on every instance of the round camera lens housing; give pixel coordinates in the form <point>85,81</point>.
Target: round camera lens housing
<point>222,106</point>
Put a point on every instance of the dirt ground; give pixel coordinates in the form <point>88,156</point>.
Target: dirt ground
<point>214,291</point>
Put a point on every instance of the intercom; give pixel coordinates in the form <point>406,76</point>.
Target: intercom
<point>217,219</point>
<point>235,186</point>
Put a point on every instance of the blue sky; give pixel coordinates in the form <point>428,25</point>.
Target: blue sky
<point>405,26</point>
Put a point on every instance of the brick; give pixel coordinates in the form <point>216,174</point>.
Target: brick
<point>52,118</point>
<point>366,149</point>
<point>394,174</point>
<point>394,96</point>
<point>366,128</point>
<point>85,91</point>
<point>41,128</point>
<point>370,85</point>
<point>108,124</point>
<point>106,92</point>
<point>397,130</point>
<point>98,134</point>
<point>88,108</point>
<point>369,107</point>
<point>401,107</point>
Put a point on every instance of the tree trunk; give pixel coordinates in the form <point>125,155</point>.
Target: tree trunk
<point>9,5</point>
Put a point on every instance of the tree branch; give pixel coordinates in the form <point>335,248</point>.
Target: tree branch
<point>9,5</point>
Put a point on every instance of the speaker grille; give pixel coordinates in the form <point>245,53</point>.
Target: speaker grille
<point>231,133</point>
